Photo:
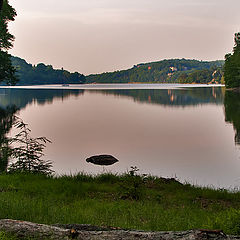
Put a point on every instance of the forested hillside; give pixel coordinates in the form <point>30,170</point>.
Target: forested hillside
<point>166,71</point>
<point>29,74</point>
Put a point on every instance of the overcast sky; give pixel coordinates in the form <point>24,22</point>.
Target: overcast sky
<point>92,36</point>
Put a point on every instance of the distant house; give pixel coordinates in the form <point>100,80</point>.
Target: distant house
<point>173,69</point>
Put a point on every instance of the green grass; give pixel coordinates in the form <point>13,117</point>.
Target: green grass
<point>9,236</point>
<point>5,236</point>
<point>129,202</point>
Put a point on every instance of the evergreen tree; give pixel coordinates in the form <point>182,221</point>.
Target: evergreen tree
<point>7,71</point>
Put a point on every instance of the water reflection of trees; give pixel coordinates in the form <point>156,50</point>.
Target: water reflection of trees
<point>22,97</point>
<point>6,121</point>
<point>173,97</point>
<point>232,112</point>
<point>165,97</point>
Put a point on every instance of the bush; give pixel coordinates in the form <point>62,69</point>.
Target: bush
<point>132,185</point>
<point>28,152</point>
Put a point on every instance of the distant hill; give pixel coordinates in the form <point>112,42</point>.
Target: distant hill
<point>165,71</point>
<point>29,74</point>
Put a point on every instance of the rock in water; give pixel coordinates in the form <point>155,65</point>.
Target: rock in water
<point>103,160</point>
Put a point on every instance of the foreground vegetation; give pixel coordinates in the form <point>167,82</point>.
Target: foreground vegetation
<point>6,236</point>
<point>128,201</point>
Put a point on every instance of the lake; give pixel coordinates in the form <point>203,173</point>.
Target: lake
<point>184,131</point>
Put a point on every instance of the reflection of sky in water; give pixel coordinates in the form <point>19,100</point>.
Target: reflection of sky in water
<point>194,143</point>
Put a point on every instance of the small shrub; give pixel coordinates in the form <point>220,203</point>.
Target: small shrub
<point>28,152</point>
<point>131,186</point>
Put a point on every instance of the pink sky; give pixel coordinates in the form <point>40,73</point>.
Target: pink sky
<point>92,36</point>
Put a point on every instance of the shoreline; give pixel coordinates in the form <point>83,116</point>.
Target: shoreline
<point>115,86</point>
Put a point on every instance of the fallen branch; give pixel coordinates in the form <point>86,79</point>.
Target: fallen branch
<point>30,230</point>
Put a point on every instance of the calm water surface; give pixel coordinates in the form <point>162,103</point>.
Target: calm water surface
<point>190,133</point>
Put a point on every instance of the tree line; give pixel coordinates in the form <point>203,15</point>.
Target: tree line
<point>166,71</point>
<point>29,74</point>
<point>232,65</point>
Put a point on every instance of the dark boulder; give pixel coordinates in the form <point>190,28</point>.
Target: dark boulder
<point>103,160</point>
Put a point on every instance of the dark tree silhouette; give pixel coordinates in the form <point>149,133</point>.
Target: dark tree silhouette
<point>232,65</point>
<point>1,4</point>
<point>7,71</point>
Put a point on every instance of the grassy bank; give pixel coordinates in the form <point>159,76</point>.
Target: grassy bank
<point>125,201</point>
